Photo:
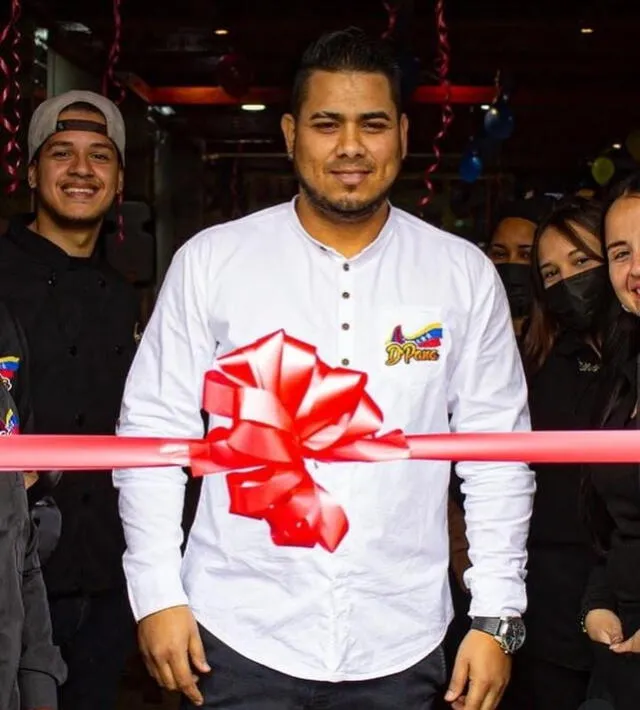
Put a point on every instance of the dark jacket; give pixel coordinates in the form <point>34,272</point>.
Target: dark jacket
<point>561,397</point>
<point>14,376</point>
<point>615,580</point>
<point>30,666</point>
<point>80,320</point>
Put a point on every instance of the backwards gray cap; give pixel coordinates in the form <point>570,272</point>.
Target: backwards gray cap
<point>45,120</point>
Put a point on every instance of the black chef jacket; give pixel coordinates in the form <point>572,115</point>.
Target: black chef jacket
<point>561,397</point>
<point>80,320</point>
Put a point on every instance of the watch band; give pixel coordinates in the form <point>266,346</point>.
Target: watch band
<point>488,624</point>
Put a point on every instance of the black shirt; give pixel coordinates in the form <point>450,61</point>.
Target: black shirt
<point>561,397</point>
<point>616,583</point>
<point>79,316</point>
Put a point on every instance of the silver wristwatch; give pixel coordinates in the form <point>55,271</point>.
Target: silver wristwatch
<point>508,631</point>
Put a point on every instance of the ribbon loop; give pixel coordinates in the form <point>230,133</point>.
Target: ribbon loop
<point>287,405</point>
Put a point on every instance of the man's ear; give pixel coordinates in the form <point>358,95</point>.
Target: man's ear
<point>32,176</point>
<point>288,126</point>
<point>404,134</point>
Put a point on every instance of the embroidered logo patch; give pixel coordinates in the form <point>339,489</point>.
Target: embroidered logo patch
<point>588,366</point>
<point>421,346</point>
<point>10,424</point>
<point>8,367</point>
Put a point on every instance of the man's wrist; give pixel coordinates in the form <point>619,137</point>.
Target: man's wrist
<point>508,631</point>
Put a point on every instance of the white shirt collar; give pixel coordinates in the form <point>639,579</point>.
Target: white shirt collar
<point>370,251</point>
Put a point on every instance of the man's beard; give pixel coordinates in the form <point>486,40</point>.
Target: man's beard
<point>68,222</point>
<point>344,210</point>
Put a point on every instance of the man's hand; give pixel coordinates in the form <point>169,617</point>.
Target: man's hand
<point>30,478</point>
<point>171,648</point>
<point>603,626</point>
<point>485,667</point>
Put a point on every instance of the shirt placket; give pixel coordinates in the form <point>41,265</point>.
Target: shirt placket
<point>346,345</point>
<point>346,357</point>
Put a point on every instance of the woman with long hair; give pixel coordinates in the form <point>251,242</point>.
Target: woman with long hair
<point>612,492</point>
<point>561,352</point>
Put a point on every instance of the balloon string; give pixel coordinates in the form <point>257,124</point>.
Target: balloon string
<point>442,65</point>
<point>109,78</point>
<point>10,95</point>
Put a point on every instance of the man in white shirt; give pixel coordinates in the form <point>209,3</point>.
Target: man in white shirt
<point>240,621</point>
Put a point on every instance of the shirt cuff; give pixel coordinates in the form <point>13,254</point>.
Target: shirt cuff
<point>37,691</point>
<point>494,596</point>
<point>154,590</point>
<point>598,594</point>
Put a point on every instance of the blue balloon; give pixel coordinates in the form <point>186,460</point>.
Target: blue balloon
<point>470,167</point>
<point>499,122</point>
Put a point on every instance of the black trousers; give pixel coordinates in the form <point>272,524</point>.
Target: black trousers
<point>236,682</point>
<point>537,684</point>
<point>96,635</point>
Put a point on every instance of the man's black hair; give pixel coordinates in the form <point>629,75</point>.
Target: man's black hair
<point>349,50</point>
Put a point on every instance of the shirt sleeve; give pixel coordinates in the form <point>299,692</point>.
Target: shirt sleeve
<point>162,397</point>
<point>598,594</point>
<point>488,393</point>
<point>41,666</point>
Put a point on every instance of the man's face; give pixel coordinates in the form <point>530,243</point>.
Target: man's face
<point>77,174</point>
<point>347,143</point>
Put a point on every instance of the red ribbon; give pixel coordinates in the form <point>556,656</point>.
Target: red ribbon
<point>285,405</point>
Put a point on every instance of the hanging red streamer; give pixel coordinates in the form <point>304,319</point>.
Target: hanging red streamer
<point>10,114</point>
<point>392,12</point>
<point>442,64</point>
<point>109,79</point>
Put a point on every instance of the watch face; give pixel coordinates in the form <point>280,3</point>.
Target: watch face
<point>513,635</point>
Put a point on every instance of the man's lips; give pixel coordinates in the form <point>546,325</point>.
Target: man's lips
<point>79,192</point>
<point>350,177</point>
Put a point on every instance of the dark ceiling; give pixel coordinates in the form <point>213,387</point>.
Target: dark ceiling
<point>575,93</point>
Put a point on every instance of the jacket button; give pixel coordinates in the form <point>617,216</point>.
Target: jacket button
<point>73,350</point>
<point>79,419</point>
<point>102,283</point>
<point>118,349</point>
<point>52,280</point>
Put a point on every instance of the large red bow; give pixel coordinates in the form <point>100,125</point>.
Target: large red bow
<point>285,406</point>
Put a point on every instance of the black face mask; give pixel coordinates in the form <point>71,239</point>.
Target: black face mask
<point>574,301</point>
<point>517,282</point>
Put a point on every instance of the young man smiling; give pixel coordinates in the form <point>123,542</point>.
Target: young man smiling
<point>79,317</point>
<point>283,628</point>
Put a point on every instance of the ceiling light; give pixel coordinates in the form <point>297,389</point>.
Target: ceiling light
<point>75,27</point>
<point>163,110</point>
<point>617,146</point>
<point>221,31</point>
<point>253,107</point>
<point>485,107</point>
<point>586,30</point>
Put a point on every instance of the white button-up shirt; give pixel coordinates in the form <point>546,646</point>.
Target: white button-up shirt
<point>381,601</point>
